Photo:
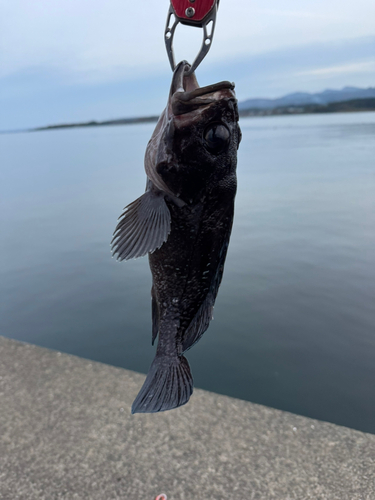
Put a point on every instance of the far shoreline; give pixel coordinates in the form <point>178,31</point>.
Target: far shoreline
<point>352,106</point>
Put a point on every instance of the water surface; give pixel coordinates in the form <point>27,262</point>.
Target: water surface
<point>294,323</point>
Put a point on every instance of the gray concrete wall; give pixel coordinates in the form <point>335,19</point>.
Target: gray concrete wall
<point>66,432</point>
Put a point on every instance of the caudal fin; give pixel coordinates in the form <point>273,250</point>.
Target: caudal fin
<point>169,384</point>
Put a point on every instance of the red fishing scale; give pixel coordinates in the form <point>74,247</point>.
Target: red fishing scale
<point>189,11</point>
<point>197,13</point>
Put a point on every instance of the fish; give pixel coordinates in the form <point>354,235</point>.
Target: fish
<point>183,222</point>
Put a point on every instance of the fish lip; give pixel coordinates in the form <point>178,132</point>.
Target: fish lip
<point>185,89</point>
<point>203,91</point>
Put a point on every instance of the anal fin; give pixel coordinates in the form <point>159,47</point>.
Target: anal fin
<point>155,315</point>
<point>143,226</point>
<point>199,324</point>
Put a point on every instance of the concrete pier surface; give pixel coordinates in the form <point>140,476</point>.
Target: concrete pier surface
<point>66,432</point>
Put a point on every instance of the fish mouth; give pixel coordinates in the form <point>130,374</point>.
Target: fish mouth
<point>186,95</point>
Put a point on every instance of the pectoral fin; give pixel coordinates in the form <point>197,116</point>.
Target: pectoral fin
<point>143,227</point>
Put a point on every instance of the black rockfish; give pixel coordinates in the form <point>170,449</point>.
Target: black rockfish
<point>183,221</point>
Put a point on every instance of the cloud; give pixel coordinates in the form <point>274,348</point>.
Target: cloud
<point>289,69</point>
<point>95,41</point>
<point>40,96</point>
<point>295,14</point>
<point>65,60</point>
<point>347,69</point>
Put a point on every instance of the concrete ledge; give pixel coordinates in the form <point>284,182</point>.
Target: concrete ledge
<point>66,432</point>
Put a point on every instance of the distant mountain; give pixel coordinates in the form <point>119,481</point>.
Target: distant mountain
<point>351,106</point>
<point>304,98</point>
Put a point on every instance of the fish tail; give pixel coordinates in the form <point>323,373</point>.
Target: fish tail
<point>168,385</point>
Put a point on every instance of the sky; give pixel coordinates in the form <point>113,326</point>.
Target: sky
<point>78,60</point>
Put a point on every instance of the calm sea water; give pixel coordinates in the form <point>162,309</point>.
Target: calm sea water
<point>294,323</point>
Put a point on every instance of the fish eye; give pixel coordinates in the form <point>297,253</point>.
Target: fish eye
<point>216,137</point>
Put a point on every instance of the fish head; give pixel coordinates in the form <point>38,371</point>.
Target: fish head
<point>194,145</point>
